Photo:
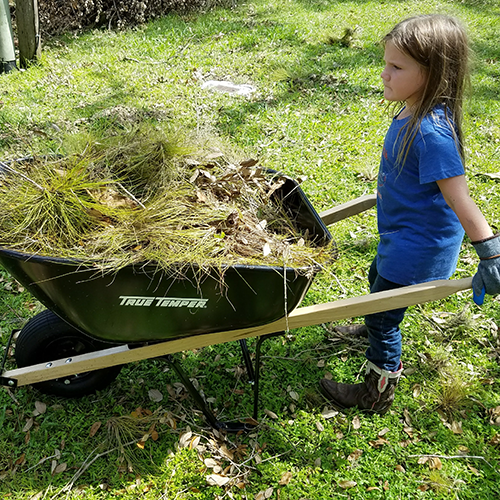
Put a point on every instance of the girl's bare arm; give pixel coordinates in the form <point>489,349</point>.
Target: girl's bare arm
<point>456,194</point>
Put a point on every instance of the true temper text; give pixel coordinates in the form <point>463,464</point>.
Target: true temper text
<point>140,301</point>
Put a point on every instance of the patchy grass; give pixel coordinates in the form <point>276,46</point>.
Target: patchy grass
<point>317,112</point>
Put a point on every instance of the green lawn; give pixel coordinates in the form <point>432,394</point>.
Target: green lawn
<point>317,112</point>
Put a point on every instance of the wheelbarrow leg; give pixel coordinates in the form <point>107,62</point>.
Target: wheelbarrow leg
<point>200,402</point>
<point>256,376</point>
<point>248,362</point>
<point>193,392</point>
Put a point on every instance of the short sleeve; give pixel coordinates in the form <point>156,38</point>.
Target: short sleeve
<point>437,152</point>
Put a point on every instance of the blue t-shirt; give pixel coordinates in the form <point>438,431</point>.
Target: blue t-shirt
<point>420,235</point>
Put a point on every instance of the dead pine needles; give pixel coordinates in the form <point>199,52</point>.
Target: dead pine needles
<point>138,197</point>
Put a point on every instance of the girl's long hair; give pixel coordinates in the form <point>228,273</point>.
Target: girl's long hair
<point>440,46</point>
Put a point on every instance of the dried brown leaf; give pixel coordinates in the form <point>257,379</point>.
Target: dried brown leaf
<point>194,442</point>
<point>210,463</point>
<point>407,416</point>
<point>217,480</point>
<point>347,484</point>
<point>59,469</point>
<point>435,463</point>
<point>354,455</point>
<point>270,414</point>
<point>285,479</point>
<point>327,413</point>
<point>28,425</point>
<point>155,395</point>
<point>95,427</point>
<point>356,423</point>
<point>185,438</point>
<point>409,431</point>
<point>40,407</point>
<point>377,443</point>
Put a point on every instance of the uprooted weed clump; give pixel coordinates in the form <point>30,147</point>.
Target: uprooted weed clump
<point>133,198</point>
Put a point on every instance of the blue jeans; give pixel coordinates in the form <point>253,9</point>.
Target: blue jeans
<point>384,334</point>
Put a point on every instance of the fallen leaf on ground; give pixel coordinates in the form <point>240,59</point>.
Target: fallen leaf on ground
<point>40,407</point>
<point>217,480</point>
<point>408,430</point>
<point>28,425</point>
<point>354,455</point>
<point>95,427</point>
<point>285,479</point>
<point>194,442</point>
<point>59,469</point>
<point>263,495</point>
<point>356,423</point>
<point>185,438</point>
<point>456,427</point>
<point>377,443</point>
<point>435,463</point>
<point>270,414</point>
<point>347,484</point>
<point>326,413</point>
<point>155,395</point>
<point>210,463</point>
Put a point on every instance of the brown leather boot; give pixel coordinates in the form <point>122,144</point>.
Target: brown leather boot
<point>352,330</point>
<point>374,395</point>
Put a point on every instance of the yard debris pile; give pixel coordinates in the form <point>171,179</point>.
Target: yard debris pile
<point>133,200</point>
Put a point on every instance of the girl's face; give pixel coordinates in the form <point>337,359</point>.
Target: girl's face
<point>403,78</point>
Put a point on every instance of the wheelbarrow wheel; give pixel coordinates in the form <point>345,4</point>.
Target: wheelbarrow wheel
<point>46,337</point>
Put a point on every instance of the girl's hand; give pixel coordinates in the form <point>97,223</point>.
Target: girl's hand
<point>487,277</point>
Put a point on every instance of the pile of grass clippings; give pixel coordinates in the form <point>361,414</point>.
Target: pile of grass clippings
<point>135,199</point>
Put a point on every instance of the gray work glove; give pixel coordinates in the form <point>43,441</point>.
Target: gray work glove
<point>487,277</point>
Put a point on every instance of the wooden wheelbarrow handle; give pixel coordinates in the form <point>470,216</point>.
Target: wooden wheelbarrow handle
<point>303,316</point>
<point>348,209</point>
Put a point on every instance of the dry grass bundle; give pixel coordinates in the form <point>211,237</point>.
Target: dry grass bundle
<point>133,198</point>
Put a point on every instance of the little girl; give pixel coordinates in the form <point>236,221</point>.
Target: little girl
<point>423,202</point>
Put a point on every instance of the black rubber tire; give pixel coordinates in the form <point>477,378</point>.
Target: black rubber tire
<point>46,337</point>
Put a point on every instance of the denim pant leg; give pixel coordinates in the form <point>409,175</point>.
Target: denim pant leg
<point>384,334</point>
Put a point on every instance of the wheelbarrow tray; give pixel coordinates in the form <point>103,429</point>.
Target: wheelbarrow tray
<point>141,303</point>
